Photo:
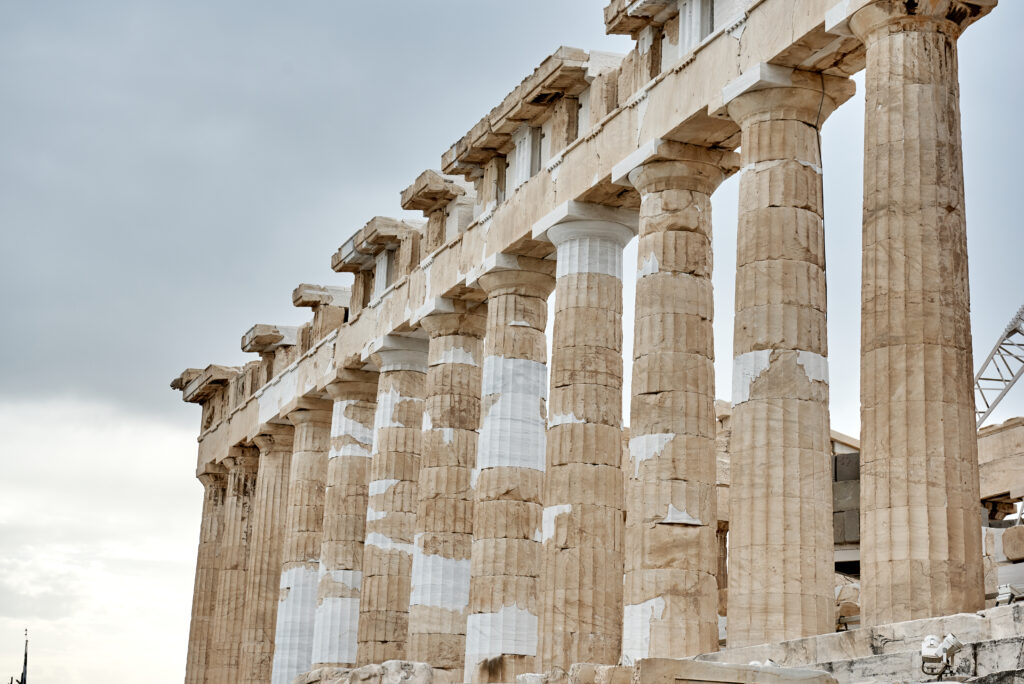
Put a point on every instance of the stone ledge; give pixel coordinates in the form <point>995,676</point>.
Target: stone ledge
<point>388,672</point>
<point>888,653</point>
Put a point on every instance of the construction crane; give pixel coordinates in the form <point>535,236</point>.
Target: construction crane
<point>1002,368</point>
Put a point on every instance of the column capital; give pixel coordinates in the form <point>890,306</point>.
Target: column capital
<point>354,384</point>
<point>502,274</point>
<point>605,230</point>
<point>513,274</point>
<point>241,458</point>
<point>767,91</point>
<point>397,353</point>
<point>464,318</point>
<point>212,475</point>
<point>664,164</point>
<point>310,411</point>
<point>442,305</point>
<point>893,16</point>
<point>626,221</point>
<point>274,437</point>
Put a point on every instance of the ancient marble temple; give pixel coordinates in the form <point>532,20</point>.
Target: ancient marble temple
<point>410,486</point>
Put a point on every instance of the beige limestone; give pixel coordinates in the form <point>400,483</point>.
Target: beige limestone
<point>388,672</point>
<point>300,558</point>
<point>204,594</point>
<point>241,464</point>
<point>392,497</point>
<point>780,543</point>
<point>444,519</point>
<point>667,671</point>
<point>672,550</point>
<point>1013,544</point>
<point>920,539</point>
<point>1001,460</point>
<point>263,580</point>
<point>501,628</point>
<point>885,654</point>
<point>583,527</point>
<point>345,498</point>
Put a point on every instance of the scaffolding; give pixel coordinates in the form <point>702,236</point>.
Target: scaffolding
<point>1002,368</point>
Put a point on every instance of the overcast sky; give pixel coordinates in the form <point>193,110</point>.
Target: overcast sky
<point>169,171</point>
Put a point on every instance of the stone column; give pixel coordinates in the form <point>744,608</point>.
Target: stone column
<point>300,556</point>
<point>391,511</point>
<point>920,532</point>
<point>501,629</point>
<point>780,535</point>
<point>671,592</point>
<point>583,521</point>
<point>444,516</point>
<point>263,580</point>
<point>241,465</point>
<point>341,552</point>
<point>204,594</point>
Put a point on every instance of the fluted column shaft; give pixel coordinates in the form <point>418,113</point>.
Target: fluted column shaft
<point>444,515</point>
<point>263,580</point>
<point>204,594</point>
<point>300,557</point>
<point>780,535</point>
<point>671,592</point>
<point>583,525</point>
<point>501,629</point>
<point>341,552</point>
<point>391,509</point>
<point>241,465</point>
<point>920,531</point>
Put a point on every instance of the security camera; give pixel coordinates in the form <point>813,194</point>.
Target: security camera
<point>936,655</point>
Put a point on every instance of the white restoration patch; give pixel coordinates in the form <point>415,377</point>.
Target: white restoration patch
<point>296,614</point>
<point>746,368</point>
<point>381,486</point>
<point>438,581</point>
<point>511,631</point>
<point>564,419</point>
<point>336,630</point>
<point>384,416</point>
<point>646,447</point>
<point>649,266</point>
<point>548,519</point>
<point>512,433</point>
<point>343,426</point>
<point>814,365</point>
<point>636,628</point>
<point>589,255</point>
<point>678,517</point>
<point>457,355</point>
<point>387,543</point>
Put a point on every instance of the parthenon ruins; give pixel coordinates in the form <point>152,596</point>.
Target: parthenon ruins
<point>409,486</point>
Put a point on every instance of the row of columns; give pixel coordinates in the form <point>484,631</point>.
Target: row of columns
<point>440,510</point>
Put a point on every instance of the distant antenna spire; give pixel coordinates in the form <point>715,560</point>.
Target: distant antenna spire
<point>24,667</point>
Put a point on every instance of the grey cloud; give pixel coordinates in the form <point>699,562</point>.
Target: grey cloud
<point>170,170</point>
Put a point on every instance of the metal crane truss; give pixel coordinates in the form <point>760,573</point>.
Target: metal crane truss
<point>1002,368</point>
